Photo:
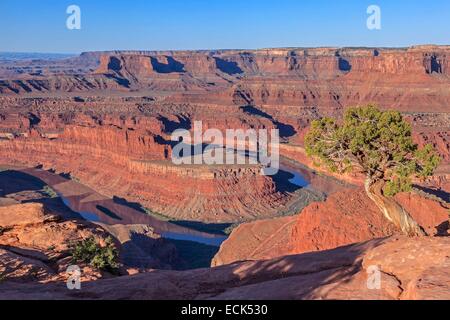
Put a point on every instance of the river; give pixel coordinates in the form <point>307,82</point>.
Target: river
<point>94,207</point>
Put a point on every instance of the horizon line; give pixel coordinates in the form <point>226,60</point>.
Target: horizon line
<point>228,49</point>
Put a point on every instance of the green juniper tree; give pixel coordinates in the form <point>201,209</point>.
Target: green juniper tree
<point>378,144</point>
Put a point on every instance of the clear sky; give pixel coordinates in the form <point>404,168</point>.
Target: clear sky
<point>40,25</point>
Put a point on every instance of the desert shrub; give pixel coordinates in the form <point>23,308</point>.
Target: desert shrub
<point>156,215</point>
<point>231,228</point>
<point>49,192</point>
<point>3,230</point>
<point>100,257</point>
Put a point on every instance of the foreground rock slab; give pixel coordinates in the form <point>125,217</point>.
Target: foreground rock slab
<point>409,268</point>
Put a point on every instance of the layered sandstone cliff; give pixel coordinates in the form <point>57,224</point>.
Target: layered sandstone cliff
<point>109,122</point>
<point>414,78</point>
<point>130,158</point>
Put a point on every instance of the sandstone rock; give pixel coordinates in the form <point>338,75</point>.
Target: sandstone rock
<point>35,244</point>
<point>257,240</point>
<point>143,248</point>
<point>341,273</point>
<point>426,278</point>
<point>344,218</point>
<point>350,217</point>
<point>16,268</point>
<point>29,226</point>
<point>24,214</point>
<point>432,215</point>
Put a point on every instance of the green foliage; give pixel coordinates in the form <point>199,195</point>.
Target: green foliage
<point>376,143</point>
<point>49,192</point>
<point>156,215</point>
<point>231,228</point>
<point>3,230</point>
<point>99,257</point>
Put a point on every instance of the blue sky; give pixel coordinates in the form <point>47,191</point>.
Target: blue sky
<point>40,25</point>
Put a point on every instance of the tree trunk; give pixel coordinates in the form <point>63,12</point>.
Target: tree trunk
<point>392,210</point>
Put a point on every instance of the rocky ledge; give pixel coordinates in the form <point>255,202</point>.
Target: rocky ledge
<point>408,268</point>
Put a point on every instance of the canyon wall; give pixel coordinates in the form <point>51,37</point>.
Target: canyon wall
<point>106,117</point>
<point>130,161</point>
<point>409,79</point>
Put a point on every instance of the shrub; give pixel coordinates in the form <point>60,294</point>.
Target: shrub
<point>231,228</point>
<point>100,257</point>
<point>49,192</point>
<point>3,230</point>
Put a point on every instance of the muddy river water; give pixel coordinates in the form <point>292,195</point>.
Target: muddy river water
<point>94,207</point>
